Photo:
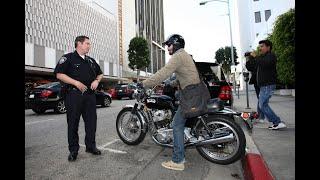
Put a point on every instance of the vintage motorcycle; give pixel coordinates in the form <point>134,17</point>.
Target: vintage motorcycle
<point>215,135</point>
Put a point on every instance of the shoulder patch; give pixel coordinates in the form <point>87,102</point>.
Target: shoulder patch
<point>62,60</point>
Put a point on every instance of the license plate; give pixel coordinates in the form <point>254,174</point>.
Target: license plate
<point>31,96</point>
<point>120,90</point>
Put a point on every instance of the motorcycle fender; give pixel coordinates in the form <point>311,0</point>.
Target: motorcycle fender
<point>141,116</point>
<point>127,106</point>
<point>228,111</point>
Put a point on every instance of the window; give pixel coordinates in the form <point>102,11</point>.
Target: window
<point>267,14</point>
<point>257,16</point>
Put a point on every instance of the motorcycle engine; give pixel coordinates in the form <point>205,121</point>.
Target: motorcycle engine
<point>162,118</point>
<point>164,135</point>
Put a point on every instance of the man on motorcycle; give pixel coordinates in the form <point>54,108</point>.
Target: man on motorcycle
<point>180,63</point>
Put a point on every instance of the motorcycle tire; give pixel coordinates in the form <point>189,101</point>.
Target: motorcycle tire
<point>120,129</point>
<point>239,134</point>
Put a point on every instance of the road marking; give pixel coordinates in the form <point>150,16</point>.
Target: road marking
<point>35,122</point>
<point>114,150</point>
<point>111,142</point>
<point>103,147</point>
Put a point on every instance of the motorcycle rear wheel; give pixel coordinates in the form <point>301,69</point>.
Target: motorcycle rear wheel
<point>223,153</point>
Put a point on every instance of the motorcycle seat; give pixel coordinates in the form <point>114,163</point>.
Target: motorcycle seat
<point>215,105</point>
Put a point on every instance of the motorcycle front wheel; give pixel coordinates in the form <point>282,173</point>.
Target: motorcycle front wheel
<point>129,127</point>
<point>222,153</point>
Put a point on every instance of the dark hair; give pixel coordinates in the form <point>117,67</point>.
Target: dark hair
<point>80,39</point>
<point>267,43</point>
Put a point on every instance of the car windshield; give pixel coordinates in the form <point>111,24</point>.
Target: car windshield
<point>211,71</point>
<point>120,86</point>
<point>49,85</point>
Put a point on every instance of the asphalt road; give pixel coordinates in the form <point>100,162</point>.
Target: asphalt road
<point>46,152</point>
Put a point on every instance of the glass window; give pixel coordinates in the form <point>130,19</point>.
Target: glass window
<point>267,14</point>
<point>257,16</point>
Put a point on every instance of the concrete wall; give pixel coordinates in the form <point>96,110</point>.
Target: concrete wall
<point>52,26</point>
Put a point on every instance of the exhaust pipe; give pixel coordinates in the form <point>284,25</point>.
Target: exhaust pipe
<point>217,140</point>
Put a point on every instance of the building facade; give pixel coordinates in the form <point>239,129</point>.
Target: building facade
<point>52,26</point>
<point>143,18</point>
<point>256,20</point>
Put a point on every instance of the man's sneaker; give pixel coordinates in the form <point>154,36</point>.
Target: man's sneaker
<point>278,126</point>
<point>261,121</point>
<point>172,165</point>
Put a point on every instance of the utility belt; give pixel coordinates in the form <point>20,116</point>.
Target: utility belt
<point>88,91</point>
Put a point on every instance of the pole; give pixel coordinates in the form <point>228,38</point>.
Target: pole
<point>232,56</point>
<point>238,91</point>
<point>247,93</point>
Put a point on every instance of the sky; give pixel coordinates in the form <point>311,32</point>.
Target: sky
<point>205,28</point>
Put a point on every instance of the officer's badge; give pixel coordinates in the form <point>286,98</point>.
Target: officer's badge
<point>62,60</point>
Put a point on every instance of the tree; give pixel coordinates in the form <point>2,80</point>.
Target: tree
<point>138,54</point>
<point>283,40</point>
<point>223,57</point>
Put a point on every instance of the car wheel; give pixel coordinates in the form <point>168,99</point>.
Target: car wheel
<point>39,110</point>
<point>106,102</point>
<point>119,98</point>
<point>60,107</point>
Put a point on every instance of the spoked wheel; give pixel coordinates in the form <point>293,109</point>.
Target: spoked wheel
<point>227,152</point>
<point>60,108</point>
<point>129,127</point>
<point>106,102</point>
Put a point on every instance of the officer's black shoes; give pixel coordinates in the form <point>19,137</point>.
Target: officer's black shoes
<point>94,151</point>
<point>72,156</point>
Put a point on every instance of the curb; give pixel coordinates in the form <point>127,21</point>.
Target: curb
<point>253,165</point>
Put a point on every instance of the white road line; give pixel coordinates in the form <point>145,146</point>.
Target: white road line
<point>111,142</point>
<point>103,147</point>
<point>35,122</point>
<point>114,150</point>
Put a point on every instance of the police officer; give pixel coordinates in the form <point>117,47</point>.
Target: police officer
<point>82,75</point>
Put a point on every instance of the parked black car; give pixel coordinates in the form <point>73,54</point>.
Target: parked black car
<point>47,96</point>
<point>214,78</point>
<point>125,90</point>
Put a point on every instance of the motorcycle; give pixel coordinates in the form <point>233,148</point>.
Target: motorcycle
<point>215,135</point>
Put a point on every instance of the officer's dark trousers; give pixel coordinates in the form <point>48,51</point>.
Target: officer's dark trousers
<point>81,104</point>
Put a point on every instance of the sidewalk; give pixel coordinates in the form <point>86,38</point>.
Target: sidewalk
<point>277,148</point>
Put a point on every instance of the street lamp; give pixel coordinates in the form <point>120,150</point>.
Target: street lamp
<point>232,56</point>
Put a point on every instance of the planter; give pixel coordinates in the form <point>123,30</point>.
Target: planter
<point>293,93</point>
<point>285,92</point>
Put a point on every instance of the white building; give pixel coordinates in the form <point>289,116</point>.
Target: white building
<point>256,20</point>
<point>51,28</point>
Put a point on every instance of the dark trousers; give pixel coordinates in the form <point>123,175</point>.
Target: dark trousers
<point>261,114</point>
<point>78,104</point>
<point>257,89</point>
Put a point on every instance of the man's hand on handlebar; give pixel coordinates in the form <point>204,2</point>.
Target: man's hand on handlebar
<point>140,85</point>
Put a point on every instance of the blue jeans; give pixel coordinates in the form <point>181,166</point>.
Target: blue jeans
<point>178,137</point>
<point>264,96</point>
<point>257,89</point>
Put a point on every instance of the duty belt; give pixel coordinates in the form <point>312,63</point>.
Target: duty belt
<point>88,91</point>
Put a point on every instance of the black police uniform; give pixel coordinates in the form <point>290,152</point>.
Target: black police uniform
<point>78,103</point>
